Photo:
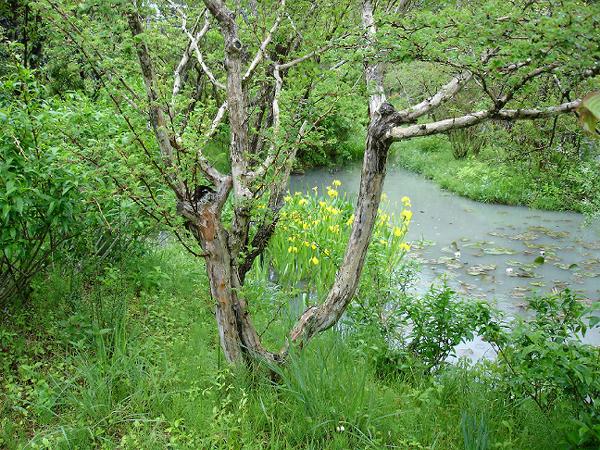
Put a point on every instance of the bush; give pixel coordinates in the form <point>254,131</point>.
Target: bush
<point>543,358</point>
<point>51,205</point>
<point>39,195</point>
<point>417,335</point>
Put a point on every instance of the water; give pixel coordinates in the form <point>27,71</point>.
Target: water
<point>498,244</point>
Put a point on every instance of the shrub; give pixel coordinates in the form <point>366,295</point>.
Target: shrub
<point>543,358</point>
<point>51,206</point>
<point>419,334</point>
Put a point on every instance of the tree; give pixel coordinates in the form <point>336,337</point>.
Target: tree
<point>275,53</point>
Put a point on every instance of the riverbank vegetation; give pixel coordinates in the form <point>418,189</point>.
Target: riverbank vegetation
<point>144,370</point>
<point>121,355</point>
<point>567,182</point>
<point>161,288</point>
<point>547,164</point>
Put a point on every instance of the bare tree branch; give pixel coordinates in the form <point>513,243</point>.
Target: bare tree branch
<point>445,93</point>
<point>263,46</point>
<point>441,126</point>
<point>210,171</point>
<point>156,113</point>
<point>193,44</point>
<point>183,63</point>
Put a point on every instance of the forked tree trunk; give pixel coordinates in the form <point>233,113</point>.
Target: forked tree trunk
<point>225,252</point>
<point>238,335</point>
<point>206,225</point>
<point>239,339</point>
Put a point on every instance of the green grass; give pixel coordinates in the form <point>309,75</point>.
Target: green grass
<point>489,178</point>
<point>130,359</point>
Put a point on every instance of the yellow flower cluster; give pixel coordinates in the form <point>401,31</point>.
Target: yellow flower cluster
<point>390,230</point>
<point>314,228</point>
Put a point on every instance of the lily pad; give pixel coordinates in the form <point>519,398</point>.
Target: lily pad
<point>467,287</point>
<point>591,245</point>
<point>591,262</point>
<point>422,244</point>
<point>590,274</point>
<point>481,269</point>
<point>440,260</point>
<point>566,266</point>
<point>519,292</point>
<point>522,272</point>
<point>548,232</point>
<point>527,236</point>
<point>478,244</point>
<point>499,251</point>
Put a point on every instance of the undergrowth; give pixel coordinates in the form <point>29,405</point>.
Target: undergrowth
<point>131,360</point>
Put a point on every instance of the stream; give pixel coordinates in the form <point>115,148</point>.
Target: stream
<point>487,251</point>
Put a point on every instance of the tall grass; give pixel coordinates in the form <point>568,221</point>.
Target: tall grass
<point>131,361</point>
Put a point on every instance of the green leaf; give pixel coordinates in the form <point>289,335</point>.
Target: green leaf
<point>589,113</point>
<point>539,260</point>
<point>19,205</point>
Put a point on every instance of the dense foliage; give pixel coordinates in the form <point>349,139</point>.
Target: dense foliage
<point>51,206</point>
<point>107,336</point>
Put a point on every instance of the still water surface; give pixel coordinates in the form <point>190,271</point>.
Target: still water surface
<point>485,250</point>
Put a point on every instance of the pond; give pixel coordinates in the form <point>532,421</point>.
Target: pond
<point>487,251</point>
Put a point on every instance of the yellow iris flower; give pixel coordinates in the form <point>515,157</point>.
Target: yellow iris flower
<point>404,246</point>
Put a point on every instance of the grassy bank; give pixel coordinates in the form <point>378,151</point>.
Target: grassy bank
<point>131,360</point>
<point>491,178</point>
